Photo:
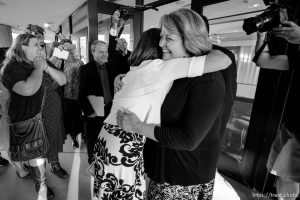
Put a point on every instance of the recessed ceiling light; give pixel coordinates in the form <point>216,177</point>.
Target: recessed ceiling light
<point>254,5</point>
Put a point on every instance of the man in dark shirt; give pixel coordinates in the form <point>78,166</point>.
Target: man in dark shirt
<point>95,93</point>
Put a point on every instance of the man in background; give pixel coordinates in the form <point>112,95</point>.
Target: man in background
<point>95,93</point>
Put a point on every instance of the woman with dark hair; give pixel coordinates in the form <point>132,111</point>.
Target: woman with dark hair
<point>182,155</point>
<point>22,74</point>
<point>119,171</point>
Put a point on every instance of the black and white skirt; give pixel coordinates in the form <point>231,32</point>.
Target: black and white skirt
<point>166,191</point>
<point>119,165</point>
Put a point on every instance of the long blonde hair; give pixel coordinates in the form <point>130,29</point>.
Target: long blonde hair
<point>192,29</point>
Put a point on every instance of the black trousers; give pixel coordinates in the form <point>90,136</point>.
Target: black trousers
<point>72,117</point>
<point>92,128</point>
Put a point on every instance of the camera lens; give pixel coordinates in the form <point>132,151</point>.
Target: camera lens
<point>249,25</point>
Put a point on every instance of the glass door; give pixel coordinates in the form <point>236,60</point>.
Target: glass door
<point>80,40</point>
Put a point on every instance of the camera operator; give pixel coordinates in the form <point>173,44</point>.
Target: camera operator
<point>117,47</point>
<point>284,157</point>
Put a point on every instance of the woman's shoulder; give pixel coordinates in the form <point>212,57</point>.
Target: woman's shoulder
<point>15,68</point>
<point>15,65</point>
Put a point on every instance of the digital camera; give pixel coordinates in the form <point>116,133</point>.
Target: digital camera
<point>269,19</point>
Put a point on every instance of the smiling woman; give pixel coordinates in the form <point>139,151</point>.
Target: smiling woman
<point>22,74</point>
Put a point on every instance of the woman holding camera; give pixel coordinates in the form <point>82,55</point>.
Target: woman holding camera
<point>22,74</point>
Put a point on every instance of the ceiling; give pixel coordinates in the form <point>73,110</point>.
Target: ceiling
<point>19,13</point>
<point>22,12</point>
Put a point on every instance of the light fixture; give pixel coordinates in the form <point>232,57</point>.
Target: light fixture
<point>47,24</point>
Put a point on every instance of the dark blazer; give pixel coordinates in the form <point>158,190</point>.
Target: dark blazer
<point>90,84</point>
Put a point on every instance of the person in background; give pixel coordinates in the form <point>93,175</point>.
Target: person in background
<point>284,157</point>
<point>52,112</point>
<point>52,115</point>
<point>3,161</point>
<point>22,74</point>
<point>181,157</point>
<point>72,113</point>
<point>95,93</point>
<point>39,32</point>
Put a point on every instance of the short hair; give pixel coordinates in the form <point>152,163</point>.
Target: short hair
<point>16,52</point>
<point>95,43</point>
<point>192,29</point>
<point>147,47</point>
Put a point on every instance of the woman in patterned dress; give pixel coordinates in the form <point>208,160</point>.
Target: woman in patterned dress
<point>53,119</point>
<point>119,171</point>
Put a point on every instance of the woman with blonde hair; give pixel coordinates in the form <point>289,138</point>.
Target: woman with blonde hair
<point>22,74</point>
<point>181,157</point>
<point>119,165</point>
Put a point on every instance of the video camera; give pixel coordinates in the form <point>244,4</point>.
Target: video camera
<point>272,17</point>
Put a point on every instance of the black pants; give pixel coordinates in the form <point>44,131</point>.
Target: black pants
<point>92,129</point>
<point>72,117</point>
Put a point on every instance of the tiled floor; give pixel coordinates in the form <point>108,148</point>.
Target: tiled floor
<point>77,185</point>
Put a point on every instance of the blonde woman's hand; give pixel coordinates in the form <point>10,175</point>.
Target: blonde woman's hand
<point>127,120</point>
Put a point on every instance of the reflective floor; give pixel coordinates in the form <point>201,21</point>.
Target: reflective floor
<point>77,185</point>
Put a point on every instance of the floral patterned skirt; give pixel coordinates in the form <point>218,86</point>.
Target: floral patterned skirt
<point>119,165</point>
<point>165,191</point>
